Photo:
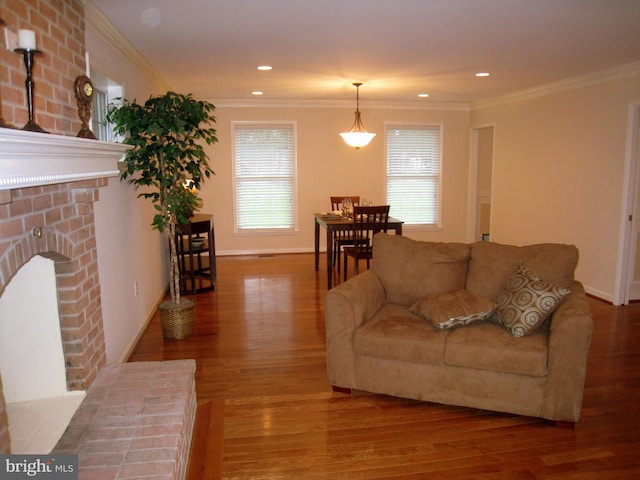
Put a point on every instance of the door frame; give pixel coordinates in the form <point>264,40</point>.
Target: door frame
<point>631,190</point>
<point>472,213</point>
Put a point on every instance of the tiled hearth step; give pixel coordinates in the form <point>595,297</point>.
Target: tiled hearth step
<point>135,422</point>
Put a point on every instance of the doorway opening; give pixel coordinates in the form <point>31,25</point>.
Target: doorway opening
<point>480,183</point>
<point>628,284</point>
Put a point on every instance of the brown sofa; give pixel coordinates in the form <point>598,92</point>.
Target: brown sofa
<point>379,341</point>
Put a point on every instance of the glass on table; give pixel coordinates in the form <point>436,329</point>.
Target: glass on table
<point>347,207</point>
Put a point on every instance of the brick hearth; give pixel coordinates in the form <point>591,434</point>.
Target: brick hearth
<point>136,422</point>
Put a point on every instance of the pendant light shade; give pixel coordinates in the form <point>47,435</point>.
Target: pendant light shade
<point>357,137</point>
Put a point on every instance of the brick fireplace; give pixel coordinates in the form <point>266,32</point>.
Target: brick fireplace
<point>41,191</point>
<point>48,185</point>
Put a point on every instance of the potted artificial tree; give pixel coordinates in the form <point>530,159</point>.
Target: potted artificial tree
<point>167,160</point>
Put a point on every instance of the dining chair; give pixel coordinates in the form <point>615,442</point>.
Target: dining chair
<point>367,221</point>
<point>336,202</point>
<point>341,238</point>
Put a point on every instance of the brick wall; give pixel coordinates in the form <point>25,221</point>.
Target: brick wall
<point>64,211</point>
<point>59,27</point>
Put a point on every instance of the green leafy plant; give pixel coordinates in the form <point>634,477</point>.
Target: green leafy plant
<point>167,133</point>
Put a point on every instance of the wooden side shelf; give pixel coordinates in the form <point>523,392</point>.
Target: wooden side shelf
<point>195,243</point>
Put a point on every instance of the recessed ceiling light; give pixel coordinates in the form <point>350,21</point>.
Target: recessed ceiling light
<point>482,74</point>
<point>265,68</point>
<point>423,95</point>
<point>257,92</point>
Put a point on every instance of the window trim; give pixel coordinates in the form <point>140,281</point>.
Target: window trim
<point>437,226</point>
<point>294,229</point>
<point>112,90</point>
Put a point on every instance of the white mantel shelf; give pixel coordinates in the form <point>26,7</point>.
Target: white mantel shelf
<point>30,159</point>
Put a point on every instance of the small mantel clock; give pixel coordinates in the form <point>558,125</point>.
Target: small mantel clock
<point>84,95</point>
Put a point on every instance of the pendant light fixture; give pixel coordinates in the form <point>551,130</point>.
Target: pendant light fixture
<point>357,137</point>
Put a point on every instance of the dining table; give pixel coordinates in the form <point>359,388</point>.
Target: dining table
<point>334,223</point>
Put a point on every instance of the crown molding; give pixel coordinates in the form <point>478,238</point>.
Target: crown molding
<point>587,80</point>
<point>372,104</point>
<point>102,26</point>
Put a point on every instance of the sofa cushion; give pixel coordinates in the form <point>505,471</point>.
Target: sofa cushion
<point>488,346</point>
<point>410,269</point>
<point>396,334</point>
<point>526,302</point>
<point>453,309</point>
<point>491,263</point>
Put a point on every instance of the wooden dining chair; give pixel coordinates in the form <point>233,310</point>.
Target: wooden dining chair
<point>341,238</point>
<point>367,221</point>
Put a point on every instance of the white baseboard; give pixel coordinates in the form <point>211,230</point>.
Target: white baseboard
<point>594,292</point>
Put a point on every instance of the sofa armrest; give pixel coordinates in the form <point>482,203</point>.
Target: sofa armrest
<point>569,341</point>
<point>347,307</point>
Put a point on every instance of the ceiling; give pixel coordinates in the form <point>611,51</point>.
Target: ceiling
<point>397,48</point>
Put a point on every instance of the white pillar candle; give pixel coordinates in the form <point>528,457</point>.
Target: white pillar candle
<point>27,39</point>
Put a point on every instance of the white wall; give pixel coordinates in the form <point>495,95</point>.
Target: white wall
<point>129,251</point>
<point>327,166</point>
<point>559,172</point>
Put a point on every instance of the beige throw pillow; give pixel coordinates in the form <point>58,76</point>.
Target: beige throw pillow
<point>410,269</point>
<point>526,302</point>
<point>453,309</point>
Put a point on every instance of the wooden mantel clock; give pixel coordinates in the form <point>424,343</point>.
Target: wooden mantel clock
<point>84,95</point>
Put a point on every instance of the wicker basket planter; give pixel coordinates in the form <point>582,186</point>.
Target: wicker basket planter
<point>176,318</point>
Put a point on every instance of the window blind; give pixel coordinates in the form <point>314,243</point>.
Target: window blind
<point>413,173</point>
<point>264,157</point>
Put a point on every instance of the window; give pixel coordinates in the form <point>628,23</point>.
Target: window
<point>264,176</point>
<point>413,173</point>
<point>98,125</point>
<point>105,91</point>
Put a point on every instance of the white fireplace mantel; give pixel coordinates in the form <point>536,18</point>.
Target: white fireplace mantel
<point>30,159</point>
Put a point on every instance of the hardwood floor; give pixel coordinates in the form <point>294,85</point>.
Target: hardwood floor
<point>266,410</point>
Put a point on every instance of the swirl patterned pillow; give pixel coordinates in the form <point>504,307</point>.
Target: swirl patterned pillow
<point>526,302</point>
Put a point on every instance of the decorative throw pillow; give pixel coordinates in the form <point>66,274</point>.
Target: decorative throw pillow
<point>453,309</point>
<point>526,302</point>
